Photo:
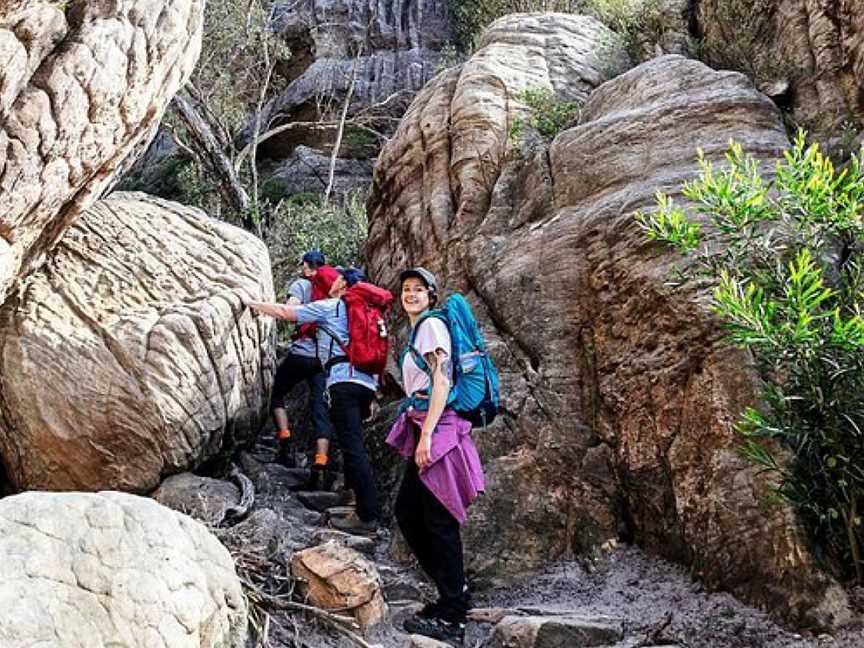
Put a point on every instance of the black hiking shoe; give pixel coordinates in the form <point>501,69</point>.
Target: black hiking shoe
<point>429,611</point>
<point>318,480</point>
<point>452,632</point>
<point>355,526</point>
<point>285,455</point>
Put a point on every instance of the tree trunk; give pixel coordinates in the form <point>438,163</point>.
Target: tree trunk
<point>213,157</point>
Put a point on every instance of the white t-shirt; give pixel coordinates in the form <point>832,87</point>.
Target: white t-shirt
<point>431,336</point>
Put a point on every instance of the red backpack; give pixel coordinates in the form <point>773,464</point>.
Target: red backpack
<point>321,282</point>
<point>368,306</point>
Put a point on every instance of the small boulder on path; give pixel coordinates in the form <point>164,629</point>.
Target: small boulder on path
<point>204,498</point>
<point>334,577</point>
<point>556,631</point>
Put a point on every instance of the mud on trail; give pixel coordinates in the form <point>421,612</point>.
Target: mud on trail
<point>644,592</point>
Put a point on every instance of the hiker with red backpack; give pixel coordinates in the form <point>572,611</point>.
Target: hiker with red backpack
<point>302,364</point>
<point>352,345</point>
<point>451,386</point>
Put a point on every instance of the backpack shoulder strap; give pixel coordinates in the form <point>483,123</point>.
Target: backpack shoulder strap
<point>418,358</point>
<point>332,334</point>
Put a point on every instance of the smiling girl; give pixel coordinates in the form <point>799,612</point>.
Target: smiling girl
<point>443,474</point>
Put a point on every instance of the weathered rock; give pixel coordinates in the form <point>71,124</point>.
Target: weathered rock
<point>111,569</point>
<point>555,631</point>
<point>319,500</point>
<point>204,498</point>
<point>271,478</point>
<point>419,641</point>
<point>129,356</point>
<point>78,92</point>
<point>337,578</point>
<point>381,54</point>
<point>815,48</point>
<point>307,171</point>
<point>619,397</point>
<point>360,544</point>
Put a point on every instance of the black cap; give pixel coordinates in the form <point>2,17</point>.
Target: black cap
<point>423,275</point>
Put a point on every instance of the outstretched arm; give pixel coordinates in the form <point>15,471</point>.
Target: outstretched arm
<point>279,311</point>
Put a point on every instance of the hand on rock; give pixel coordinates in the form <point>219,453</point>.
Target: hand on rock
<point>245,299</point>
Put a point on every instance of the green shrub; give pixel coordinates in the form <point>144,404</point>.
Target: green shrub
<point>302,223</point>
<point>786,256</point>
<point>633,20</point>
<point>742,33</point>
<point>547,115</point>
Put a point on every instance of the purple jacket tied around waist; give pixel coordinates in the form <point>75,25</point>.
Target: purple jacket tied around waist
<point>455,475</point>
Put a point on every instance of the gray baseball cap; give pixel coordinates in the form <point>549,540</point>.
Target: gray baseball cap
<point>423,275</point>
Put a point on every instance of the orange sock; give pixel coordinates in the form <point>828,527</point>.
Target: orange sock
<point>283,435</point>
<point>320,459</point>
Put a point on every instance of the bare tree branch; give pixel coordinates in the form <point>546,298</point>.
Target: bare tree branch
<point>213,156</point>
<point>341,130</point>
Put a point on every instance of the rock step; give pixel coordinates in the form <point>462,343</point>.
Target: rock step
<point>319,500</point>
<point>573,631</point>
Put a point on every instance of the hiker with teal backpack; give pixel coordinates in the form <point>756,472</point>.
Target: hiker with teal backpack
<point>450,386</point>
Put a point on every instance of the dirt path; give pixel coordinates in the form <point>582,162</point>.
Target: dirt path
<point>628,584</point>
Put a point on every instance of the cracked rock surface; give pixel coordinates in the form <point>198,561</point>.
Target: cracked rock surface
<point>619,399</point>
<point>80,88</point>
<point>128,357</point>
<point>111,569</point>
<point>400,43</point>
<point>813,47</point>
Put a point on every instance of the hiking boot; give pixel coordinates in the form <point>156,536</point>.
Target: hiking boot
<point>436,628</point>
<point>429,611</point>
<point>347,498</point>
<point>285,455</point>
<point>354,525</point>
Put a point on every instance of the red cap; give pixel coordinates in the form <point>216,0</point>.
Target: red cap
<point>322,281</point>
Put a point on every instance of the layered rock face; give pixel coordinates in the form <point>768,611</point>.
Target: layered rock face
<point>78,92</point>
<point>126,357</point>
<point>382,53</point>
<point>619,398</point>
<point>111,569</point>
<point>809,54</point>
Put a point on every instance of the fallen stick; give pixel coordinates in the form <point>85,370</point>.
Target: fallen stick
<point>336,621</point>
<point>247,495</point>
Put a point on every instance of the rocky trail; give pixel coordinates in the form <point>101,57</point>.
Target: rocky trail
<point>623,599</point>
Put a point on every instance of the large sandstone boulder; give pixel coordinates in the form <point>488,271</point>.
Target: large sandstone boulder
<point>619,398</point>
<point>128,356</point>
<point>809,54</point>
<point>81,86</point>
<point>111,569</point>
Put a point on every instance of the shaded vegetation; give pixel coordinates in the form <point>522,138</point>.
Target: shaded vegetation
<point>787,258</point>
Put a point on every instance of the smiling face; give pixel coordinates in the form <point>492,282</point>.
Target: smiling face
<point>415,297</point>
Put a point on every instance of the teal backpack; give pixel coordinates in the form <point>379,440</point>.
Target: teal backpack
<point>475,393</point>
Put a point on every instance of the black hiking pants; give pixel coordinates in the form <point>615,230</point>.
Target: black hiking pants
<point>349,405</point>
<point>293,370</point>
<point>434,536</point>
